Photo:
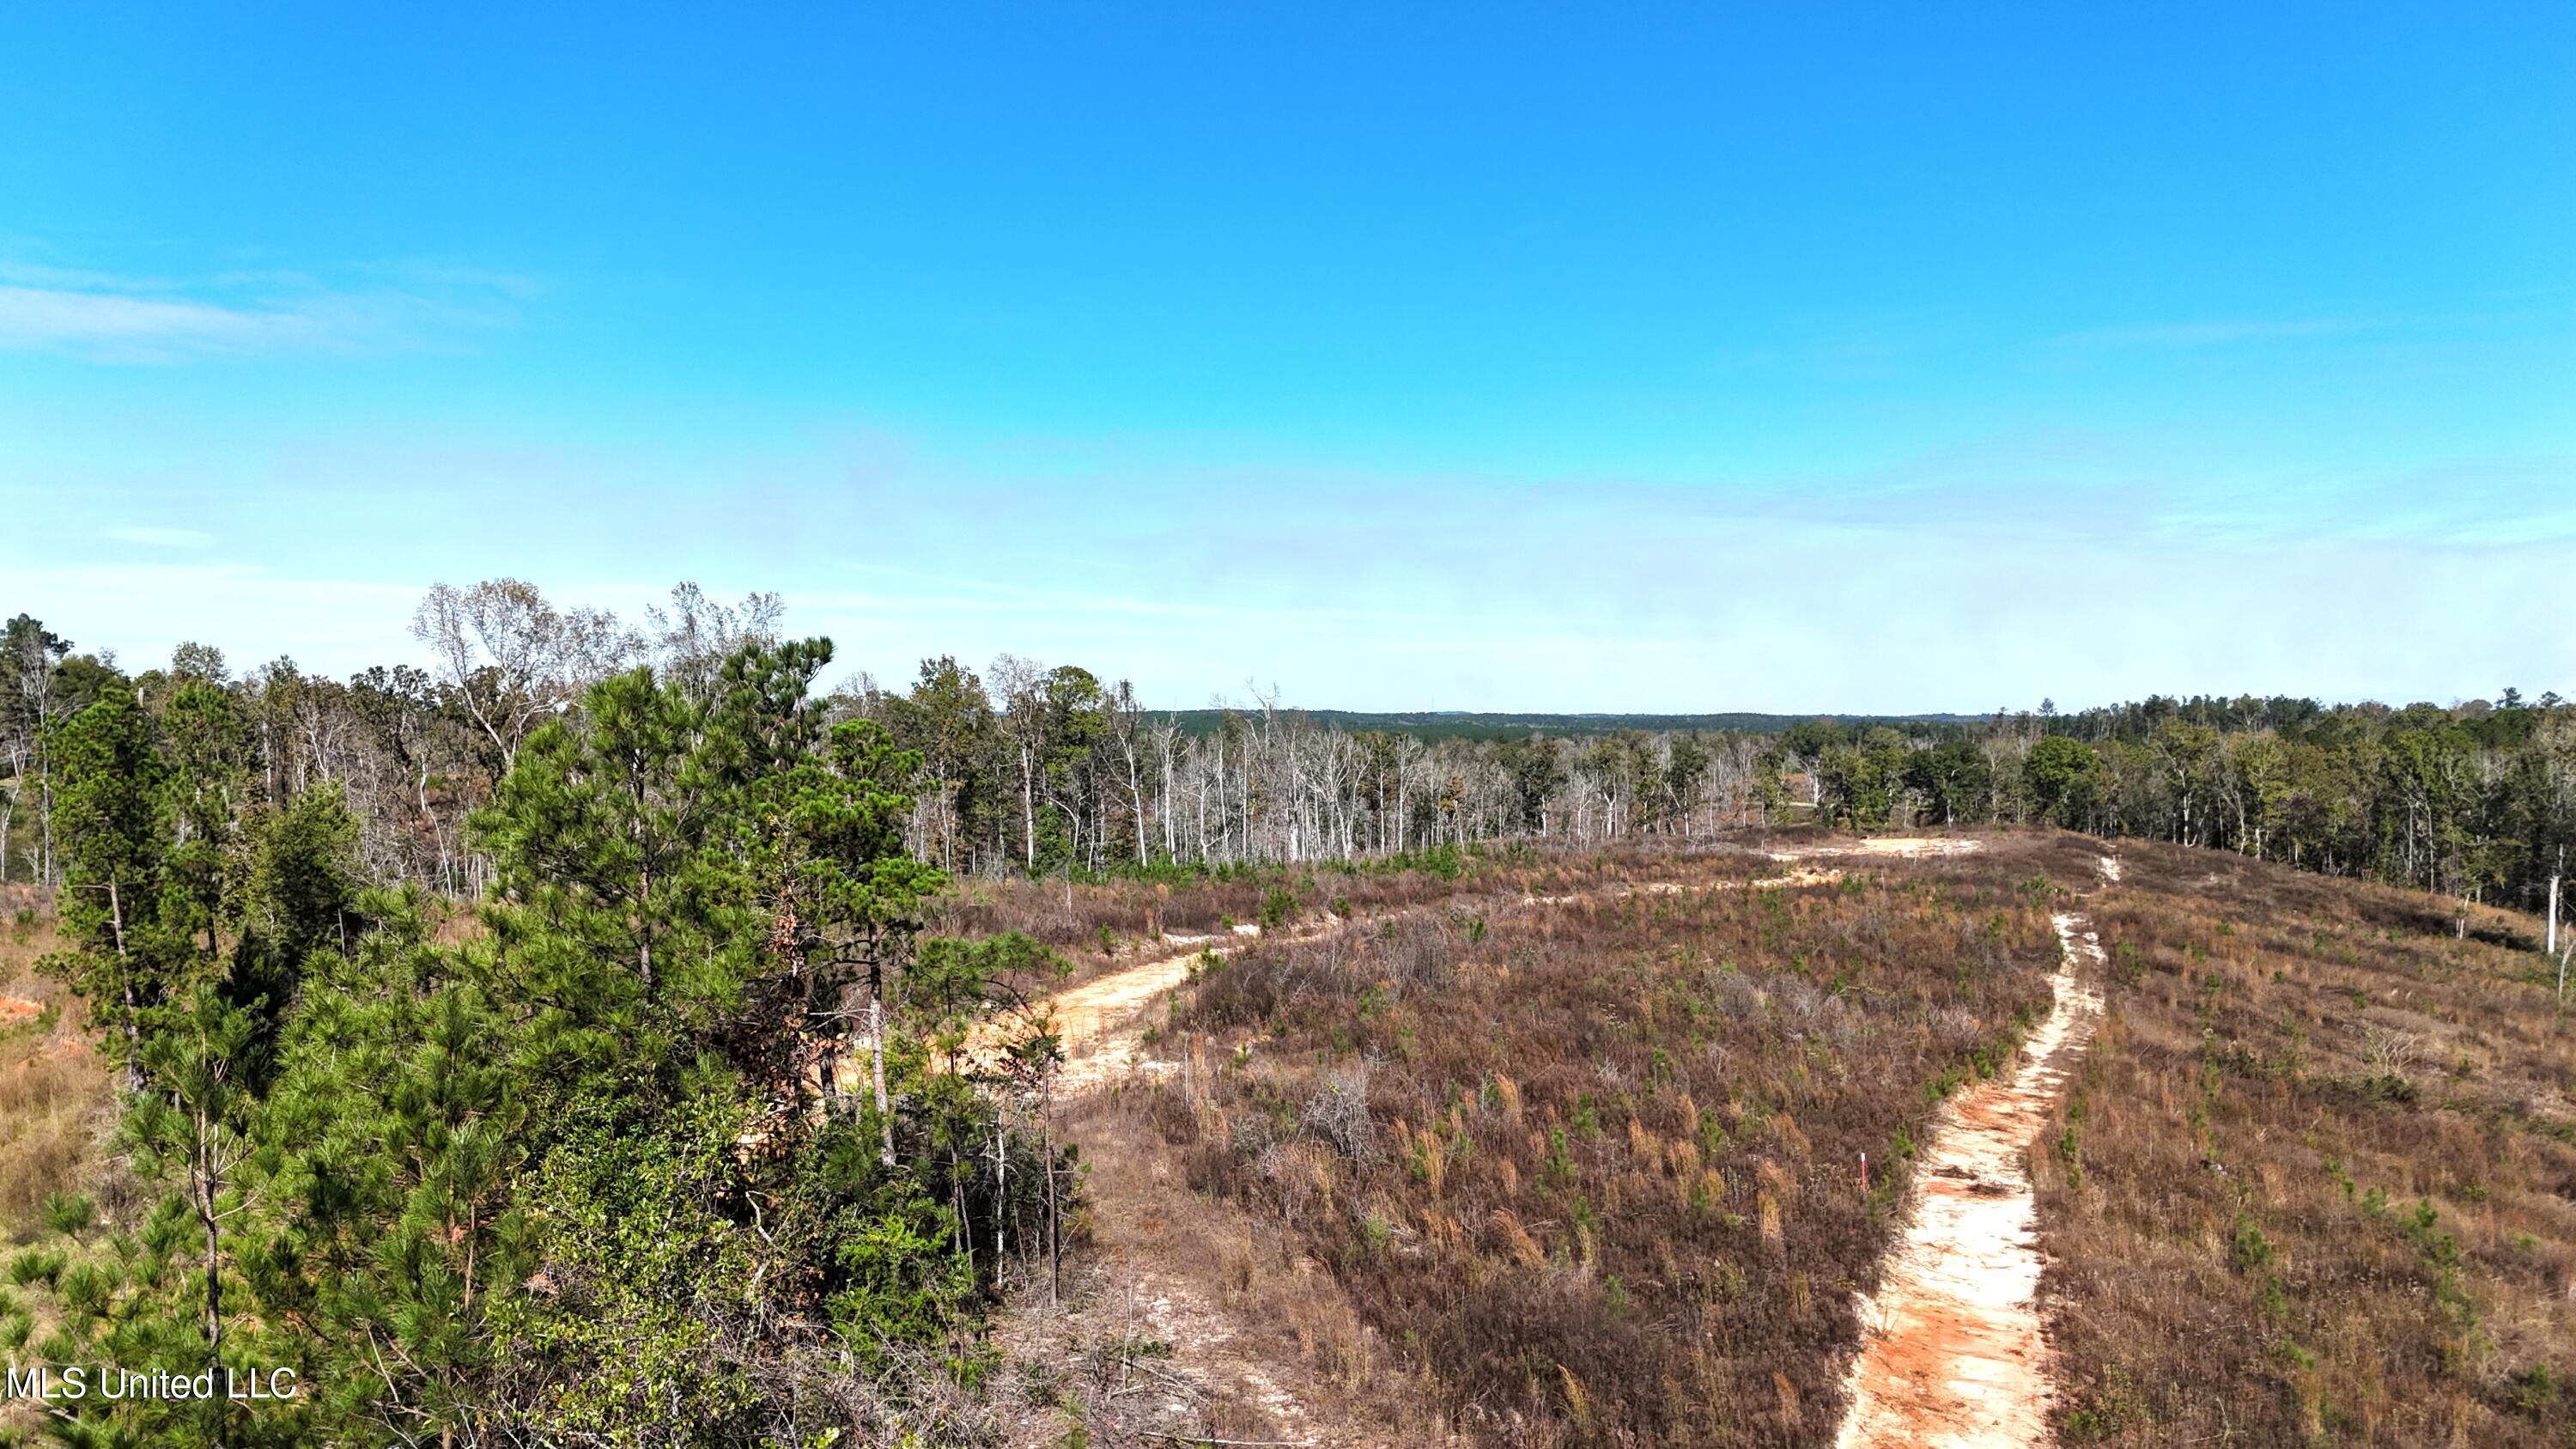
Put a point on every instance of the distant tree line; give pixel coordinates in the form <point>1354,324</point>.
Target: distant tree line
<point>1039,769</point>
<point>2476,800</point>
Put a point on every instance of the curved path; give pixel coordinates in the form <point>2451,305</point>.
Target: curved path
<point>1951,1349</point>
<point>1952,1353</point>
<point>1102,1022</point>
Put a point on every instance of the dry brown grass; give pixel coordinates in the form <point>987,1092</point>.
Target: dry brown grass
<point>1105,925</point>
<point>2317,1179</point>
<point>56,1097</point>
<point>1183,1315</point>
<point>1589,1171</point>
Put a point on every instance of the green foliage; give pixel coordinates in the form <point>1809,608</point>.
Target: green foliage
<point>112,825</point>
<point>2064,776</point>
<point>172,1294</point>
<point>69,1213</point>
<point>206,746</point>
<point>36,1265</point>
<point>399,1136</point>
<point>2537,1390</point>
<point>598,1175</point>
<point>1860,783</point>
<point>2247,1248</point>
<point>1536,771</point>
<point>644,1323</point>
<point>1955,781</point>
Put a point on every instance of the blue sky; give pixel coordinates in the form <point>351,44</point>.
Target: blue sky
<point>1852,358</point>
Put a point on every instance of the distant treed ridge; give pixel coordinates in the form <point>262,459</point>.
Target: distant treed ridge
<point>1040,769</point>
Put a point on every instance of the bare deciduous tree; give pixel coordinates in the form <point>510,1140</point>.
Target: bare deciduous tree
<point>514,659</point>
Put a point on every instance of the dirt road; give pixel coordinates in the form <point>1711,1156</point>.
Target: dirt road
<point>1902,847</point>
<point>1102,1022</point>
<point>1951,1350</point>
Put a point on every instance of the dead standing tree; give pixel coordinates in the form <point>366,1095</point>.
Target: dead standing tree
<point>513,659</point>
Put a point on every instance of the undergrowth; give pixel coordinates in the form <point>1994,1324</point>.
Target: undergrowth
<point>2316,1180</point>
<point>1592,1169</point>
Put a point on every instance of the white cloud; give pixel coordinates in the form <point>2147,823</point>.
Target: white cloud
<point>161,537</point>
<point>2215,333</point>
<point>124,327</point>
<point>143,610</point>
<point>106,318</point>
<point>2089,571</point>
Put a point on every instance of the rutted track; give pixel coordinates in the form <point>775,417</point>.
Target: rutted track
<point>1101,1025</point>
<point>1951,1348</point>
<point>1952,1352</point>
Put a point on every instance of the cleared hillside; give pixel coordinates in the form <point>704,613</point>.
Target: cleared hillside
<point>54,1108</point>
<point>2317,1180</point>
<point>1590,1168</point>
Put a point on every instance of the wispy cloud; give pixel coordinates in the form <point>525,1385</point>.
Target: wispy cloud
<point>105,317</point>
<point>161,537</point>
<point>2215,333</point>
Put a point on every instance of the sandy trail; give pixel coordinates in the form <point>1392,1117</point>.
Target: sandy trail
<point>1101,1023</point>
<point>1951,1350</point>
<point>1903,847</point>
<point>1802,876</point>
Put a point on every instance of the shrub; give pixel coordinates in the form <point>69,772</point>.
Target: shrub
<point>69,1212</point>
<point>2376,1231</point>
<point>2247,1248</point>
<point>1603,1145</point>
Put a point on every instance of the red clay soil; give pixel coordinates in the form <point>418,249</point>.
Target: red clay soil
<point>1952,1353</point>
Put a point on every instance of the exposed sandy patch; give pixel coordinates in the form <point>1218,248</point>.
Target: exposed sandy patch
<point>1904,847</point>
<point>1805,875</point>
<point>1101,1023</point>
<point>1802,876</point>
<point>1951,1349</point>
<point>1244,1342</point>
<point>1199,1360</point>
<point>17,1009</point>
<point>1916,846</point>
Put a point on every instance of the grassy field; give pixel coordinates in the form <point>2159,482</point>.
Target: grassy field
<point>57,1109</point>
<point>1591,1171</point>
<point>1100,925</point>
<point>2317,1180</point>
<point>54,1093</point>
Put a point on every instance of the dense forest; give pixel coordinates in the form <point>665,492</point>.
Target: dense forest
<point>642,1145</point>
<point>1040,769</point>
